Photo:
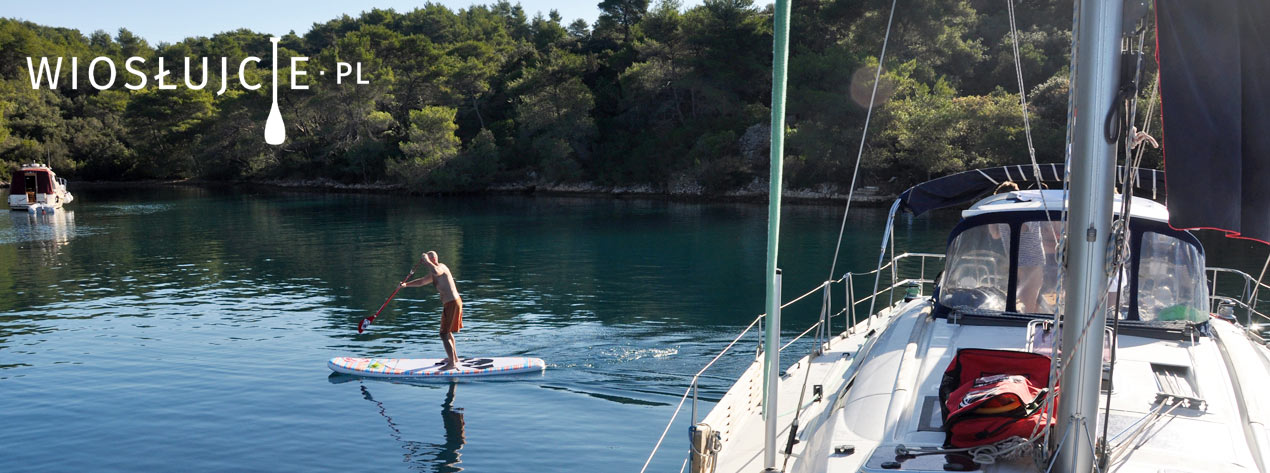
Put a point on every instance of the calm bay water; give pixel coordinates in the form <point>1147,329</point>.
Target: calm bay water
<point>189,328</point>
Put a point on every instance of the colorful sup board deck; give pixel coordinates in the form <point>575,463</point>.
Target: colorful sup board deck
<point>430,367</point>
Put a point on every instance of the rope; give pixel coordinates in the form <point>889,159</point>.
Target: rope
<point>1059,238</point>
<point>713,444</point>
<point>1121,229</point>
<point>757,321</point>
<point>855,172</point>
<point>799,298</point>
<point>1007,449</point>
<point>1027,124</point>
<point>1061,440</point>
<point>1121,451</point>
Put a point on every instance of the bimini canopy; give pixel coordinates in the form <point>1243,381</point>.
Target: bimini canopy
<point>1216,111</point>
<point>35,180</point>
<point>965,187</point>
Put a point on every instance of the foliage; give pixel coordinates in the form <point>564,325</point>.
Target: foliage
<point>429,144</point>
<point>462,99</point>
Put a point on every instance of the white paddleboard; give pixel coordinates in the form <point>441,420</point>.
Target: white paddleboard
<point>430,367</point>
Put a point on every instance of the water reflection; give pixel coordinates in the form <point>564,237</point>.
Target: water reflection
<point>452,418</point>
<point>56,228</point>
<point>45,234</point>
<point>445,457</point>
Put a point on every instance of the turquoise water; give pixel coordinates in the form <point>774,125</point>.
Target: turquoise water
<point>188,328</point>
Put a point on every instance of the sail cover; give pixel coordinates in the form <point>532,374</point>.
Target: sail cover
<point>1214,60</point>
<point>969,186</point>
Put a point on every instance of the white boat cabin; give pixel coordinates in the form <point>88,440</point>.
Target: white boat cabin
<point>1002,257</point>
<point>35,186</point>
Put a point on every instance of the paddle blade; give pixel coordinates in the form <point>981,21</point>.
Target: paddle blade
<point>275,131</point>
<point>361,327</point>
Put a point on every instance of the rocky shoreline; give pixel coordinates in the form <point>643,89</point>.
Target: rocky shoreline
<point>756,191</point>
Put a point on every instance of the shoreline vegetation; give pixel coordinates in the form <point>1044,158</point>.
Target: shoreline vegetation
<point>755,193</point>
<point>654,99</point>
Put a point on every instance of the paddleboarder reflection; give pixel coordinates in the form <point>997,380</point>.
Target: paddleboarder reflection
<point>452,419</point>
<point>447,458</point>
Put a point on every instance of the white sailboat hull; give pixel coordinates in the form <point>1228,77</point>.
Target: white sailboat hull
<point>881,390</point>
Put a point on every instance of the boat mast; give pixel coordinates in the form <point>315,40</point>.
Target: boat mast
<point>1094,82</point>
<point>772,347</point>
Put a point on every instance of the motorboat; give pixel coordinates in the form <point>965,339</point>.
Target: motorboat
<point>36,188</point>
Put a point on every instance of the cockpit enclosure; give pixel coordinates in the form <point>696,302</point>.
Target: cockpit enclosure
<point>1007,262</point>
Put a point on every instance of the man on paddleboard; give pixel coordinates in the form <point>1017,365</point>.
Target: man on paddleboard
<point>439,275</point>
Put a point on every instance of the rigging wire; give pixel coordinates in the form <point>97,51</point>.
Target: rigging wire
<point>1018,73</point>
<point>1027,126</point>
<point>1120,231</point>
<point>1061,251</point>
<point>1047,405</point>
<point>1059,238</point>
<point>864,134</point>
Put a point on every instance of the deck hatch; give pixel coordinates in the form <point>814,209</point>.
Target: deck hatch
<point>1175,380</point>
<point>931,419</point>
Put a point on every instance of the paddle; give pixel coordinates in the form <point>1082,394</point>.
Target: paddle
<point>361,327</point>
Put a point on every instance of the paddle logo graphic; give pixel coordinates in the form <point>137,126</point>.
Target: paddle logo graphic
<point>48,73</point>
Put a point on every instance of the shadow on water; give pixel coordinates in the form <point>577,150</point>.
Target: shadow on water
<point>444,457</point>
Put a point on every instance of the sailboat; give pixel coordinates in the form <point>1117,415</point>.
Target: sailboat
<point>1073,327</point>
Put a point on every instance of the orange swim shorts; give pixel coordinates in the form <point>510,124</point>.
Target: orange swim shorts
<point>452,317</point>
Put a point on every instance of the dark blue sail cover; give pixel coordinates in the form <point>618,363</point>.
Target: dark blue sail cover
<point>969,186</point>
<point>1214,60</point>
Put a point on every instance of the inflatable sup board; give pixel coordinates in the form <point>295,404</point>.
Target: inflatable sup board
<point>430,367</point>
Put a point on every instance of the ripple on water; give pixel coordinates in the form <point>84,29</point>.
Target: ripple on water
<point>195,336</point>
<point>114,210</point>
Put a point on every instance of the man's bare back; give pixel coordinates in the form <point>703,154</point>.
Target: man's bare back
<point>439,275</point>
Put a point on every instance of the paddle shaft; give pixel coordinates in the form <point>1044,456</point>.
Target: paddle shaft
<point>365,322</point>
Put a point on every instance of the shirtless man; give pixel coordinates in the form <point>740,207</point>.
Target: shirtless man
<point>440,276</point>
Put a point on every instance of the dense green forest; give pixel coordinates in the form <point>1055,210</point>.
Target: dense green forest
<point>653,96</point>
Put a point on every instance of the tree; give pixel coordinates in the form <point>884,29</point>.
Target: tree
<point>624,14</point>
<point>644,96</point>
<point>430,143</point>
<point>4,129</point>
<point>553,116</point>
<point>131,45</point>
<point>164,126</point>
<point>933,133</point>
<point>579,29</point>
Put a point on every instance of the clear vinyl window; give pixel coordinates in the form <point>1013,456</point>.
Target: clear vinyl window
<point>978,269</point>
<point>1171,283</point>
<point>1037,290</point>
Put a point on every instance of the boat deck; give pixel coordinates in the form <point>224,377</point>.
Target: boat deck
<point>892,399</point>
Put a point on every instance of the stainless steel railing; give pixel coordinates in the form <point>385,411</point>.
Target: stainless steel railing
<point>899,267</point>
<point>1247,300</point>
